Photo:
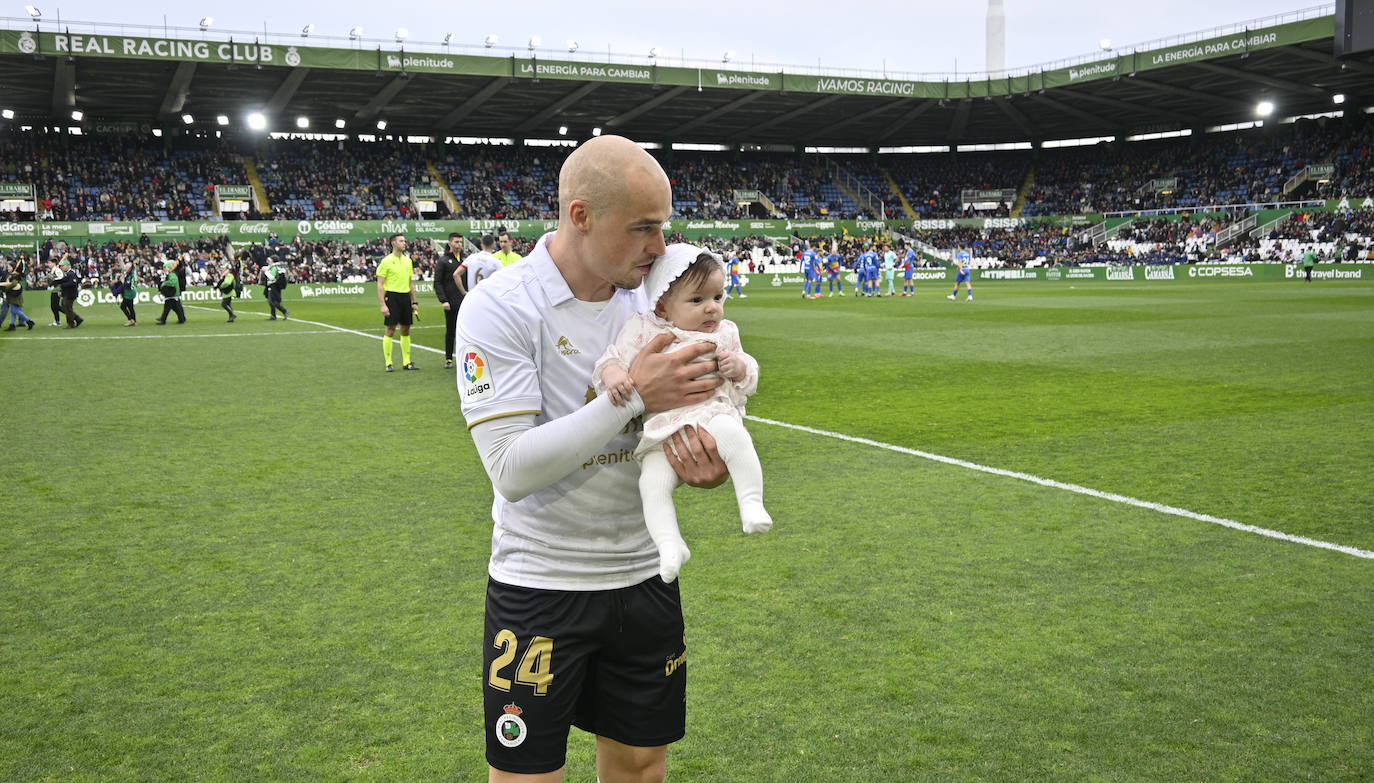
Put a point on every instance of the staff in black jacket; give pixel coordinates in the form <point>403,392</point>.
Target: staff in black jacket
<point>450,292</point>
<point>70,283</point>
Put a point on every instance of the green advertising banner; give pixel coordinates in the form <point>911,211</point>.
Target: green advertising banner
<point>424,192</point>
<point>376,59</point>
<point>237,192</point>
<point>16,191</point>
<point>1239,43</point>
<point>259,231</point>
<point>1350,203</point>
<point>1166,272</point>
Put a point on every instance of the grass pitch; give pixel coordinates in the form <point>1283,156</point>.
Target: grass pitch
<point>243,552</point>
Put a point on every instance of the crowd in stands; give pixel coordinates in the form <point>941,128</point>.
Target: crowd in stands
<point>131,177</point>
<point>339,181</point>
<point>498,183</point>
<point>116,177</point>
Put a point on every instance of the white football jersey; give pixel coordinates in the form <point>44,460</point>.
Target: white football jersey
<point>481,265</point>
<point>528,346</point>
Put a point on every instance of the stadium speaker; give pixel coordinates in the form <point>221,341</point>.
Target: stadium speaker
<point>1354,27</point>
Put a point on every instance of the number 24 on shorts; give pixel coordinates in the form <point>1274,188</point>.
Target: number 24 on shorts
<point>535,668</point>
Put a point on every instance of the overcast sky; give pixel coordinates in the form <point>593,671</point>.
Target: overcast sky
<point>919,37</point>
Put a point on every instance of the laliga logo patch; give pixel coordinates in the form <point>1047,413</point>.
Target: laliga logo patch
<point>476,375</point>
<point>510,729</point>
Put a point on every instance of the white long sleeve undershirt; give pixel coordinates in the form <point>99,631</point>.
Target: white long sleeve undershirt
<point>522,458</point>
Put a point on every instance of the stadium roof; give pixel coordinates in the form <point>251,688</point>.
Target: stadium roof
<point>120,81</point>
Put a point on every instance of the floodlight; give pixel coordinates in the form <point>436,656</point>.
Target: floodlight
<point>77,115</point>
<point>7,113</point>
<point>402,34</point>
<point>491,40</point>
<point>654,51</point>
<point>34,12</point>
<point>728,56</point>
<point>302,122</point>
<point>381,124</point>
<point>187,118</point>
<point>535,41</point>
<point>206,21</point>
<point>447,37</point>
<point>1265,108</point>
<point>307,30</point>
<point>1105,44</point>
<point>222,119</point>
<point>562,130</point>
<point>356,32</point>
<point>1338,98</point>
<point>339,123</point>
<point>256,121</point>
<point>572,45</point>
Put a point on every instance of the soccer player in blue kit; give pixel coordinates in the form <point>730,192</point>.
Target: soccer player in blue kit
<point>734,278</point>
<point>809,263</point>
<point>868,272</point>
<point>963,276</point>
<point>909,273</point>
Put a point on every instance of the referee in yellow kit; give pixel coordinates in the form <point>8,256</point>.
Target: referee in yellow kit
<point>396,295</point>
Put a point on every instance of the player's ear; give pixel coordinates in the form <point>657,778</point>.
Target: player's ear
<point>580,215</point>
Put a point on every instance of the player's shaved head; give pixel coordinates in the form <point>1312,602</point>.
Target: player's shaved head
<point>600,171</point>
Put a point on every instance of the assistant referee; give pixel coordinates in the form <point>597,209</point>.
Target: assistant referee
<point>396,295</point>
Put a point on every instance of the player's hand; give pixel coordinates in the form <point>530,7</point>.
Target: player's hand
<point>672,380</point>
<point>731,365</point>
<point>692,453</point>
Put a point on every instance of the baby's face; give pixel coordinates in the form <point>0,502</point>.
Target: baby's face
<point>696,307</point>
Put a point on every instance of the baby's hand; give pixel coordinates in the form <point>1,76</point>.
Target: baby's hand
<point>731,365</point>
<point>619,387</point>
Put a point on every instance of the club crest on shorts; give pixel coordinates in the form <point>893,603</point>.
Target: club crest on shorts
<point>476,375</point>
<point>510,729</point>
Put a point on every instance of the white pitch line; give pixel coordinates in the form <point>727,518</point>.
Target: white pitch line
<point>377,337</point>
<point>1044,482</point>
<point>1081,490</point>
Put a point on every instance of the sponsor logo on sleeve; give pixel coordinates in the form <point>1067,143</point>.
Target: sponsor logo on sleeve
<point>477,375</point>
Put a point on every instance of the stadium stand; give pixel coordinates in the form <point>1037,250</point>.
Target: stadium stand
<point>132,177</point>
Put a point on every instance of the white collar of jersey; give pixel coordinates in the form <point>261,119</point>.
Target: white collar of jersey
<point>551,280</point>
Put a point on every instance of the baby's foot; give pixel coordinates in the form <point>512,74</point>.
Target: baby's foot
<point>755,518</point>
<point>671,558</point>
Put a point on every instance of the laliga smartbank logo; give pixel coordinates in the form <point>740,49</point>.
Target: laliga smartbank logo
<point>476,376</point>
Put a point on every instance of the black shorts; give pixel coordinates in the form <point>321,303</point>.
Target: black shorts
<point>611,662</point>
<point>400,306</point>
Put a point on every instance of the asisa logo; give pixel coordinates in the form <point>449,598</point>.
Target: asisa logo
<point>476,376</point>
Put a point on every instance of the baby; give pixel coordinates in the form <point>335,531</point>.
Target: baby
<point>687,289</point>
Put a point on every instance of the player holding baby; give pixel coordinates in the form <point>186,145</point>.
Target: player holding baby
<point>687,289</point>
